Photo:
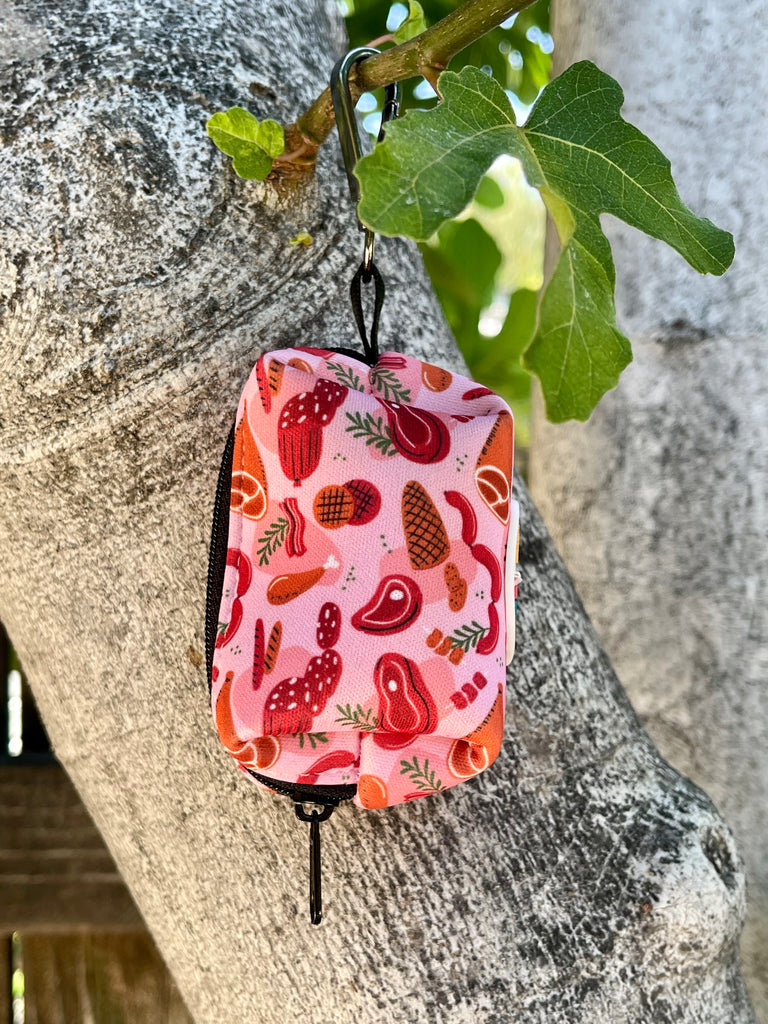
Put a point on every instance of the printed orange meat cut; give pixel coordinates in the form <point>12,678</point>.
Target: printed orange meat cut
<point>480,748</point>
<point>493,471</point>
<point>249,481</point>
<point>372,792</point>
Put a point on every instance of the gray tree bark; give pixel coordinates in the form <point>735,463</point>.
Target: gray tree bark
<point>658,504</point>
<point>580,878</point>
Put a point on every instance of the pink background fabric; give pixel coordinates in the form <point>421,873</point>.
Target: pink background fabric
<point>346,555</point>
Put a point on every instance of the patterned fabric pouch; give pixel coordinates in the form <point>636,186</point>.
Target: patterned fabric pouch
<point>360,616</point>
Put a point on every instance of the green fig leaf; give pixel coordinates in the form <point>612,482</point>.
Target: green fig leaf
<point>585,160</point>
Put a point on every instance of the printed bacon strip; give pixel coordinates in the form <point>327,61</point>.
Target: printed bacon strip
<point>294,540</point>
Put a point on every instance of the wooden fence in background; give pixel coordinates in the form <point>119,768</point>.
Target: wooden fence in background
<point>85,953</point>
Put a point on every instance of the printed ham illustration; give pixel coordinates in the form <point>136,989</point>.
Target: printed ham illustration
<point>300,428</point>
<point>395,605</point>
<point>479,748</point>
<point>418,435</point>
<point>294,702</point>
<point>249,482</point>
<point>435,377</point>
<point>493,471</point>
<point>406,706</point>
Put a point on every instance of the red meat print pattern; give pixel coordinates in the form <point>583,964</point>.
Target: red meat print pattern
<point>487,559</point>
<point>406,706</point>
<point>264,655</point>
<point>368,651</point>
<point>295,702</point>
<point>333,759</point>
<point>300,428</point>
<point>418,435</point>
<point>328,626</point>
<point>393,607</point>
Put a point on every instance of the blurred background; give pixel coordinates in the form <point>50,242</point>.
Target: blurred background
<point>73,948</point>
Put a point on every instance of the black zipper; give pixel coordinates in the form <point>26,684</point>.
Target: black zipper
<point>217,554</point>
<point>326,797</point>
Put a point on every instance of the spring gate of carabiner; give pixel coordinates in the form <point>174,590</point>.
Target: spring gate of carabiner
<point>349,137</point>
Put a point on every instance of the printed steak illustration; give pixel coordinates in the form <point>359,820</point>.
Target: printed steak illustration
<point>406,706</point>
<point>395,605</point>
<point>294,702</point>
<point>249,482</point>
<point>418,435</point>
<point>300,428</point>
<point>425,533</point>
<point>493,471</point>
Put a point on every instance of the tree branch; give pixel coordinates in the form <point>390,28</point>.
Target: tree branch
<point>425,55</point>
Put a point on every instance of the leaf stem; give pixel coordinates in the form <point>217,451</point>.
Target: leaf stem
<point>425,55</point>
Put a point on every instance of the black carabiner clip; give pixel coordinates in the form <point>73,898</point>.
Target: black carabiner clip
<point>349,136</point>
<point>350,148</point>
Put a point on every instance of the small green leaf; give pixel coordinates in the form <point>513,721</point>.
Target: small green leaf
<point>413,24</point>
<point>252,145</point>
<point>273,538</point>
<point>389,384</point>
<point>271,137</point>
<point>585,160</point>
<point>373,431</point>
<point>302,238</point>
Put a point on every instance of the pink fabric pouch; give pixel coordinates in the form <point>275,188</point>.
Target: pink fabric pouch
<point>356,600</point>
<point>356,631</point>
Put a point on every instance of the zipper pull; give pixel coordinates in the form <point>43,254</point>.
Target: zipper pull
<point>317,813</point>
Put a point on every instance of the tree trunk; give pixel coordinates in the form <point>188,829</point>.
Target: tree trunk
<point>578,879</point>
<point>659,502</point>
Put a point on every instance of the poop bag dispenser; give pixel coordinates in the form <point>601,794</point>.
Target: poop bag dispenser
<point>361,583</point>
